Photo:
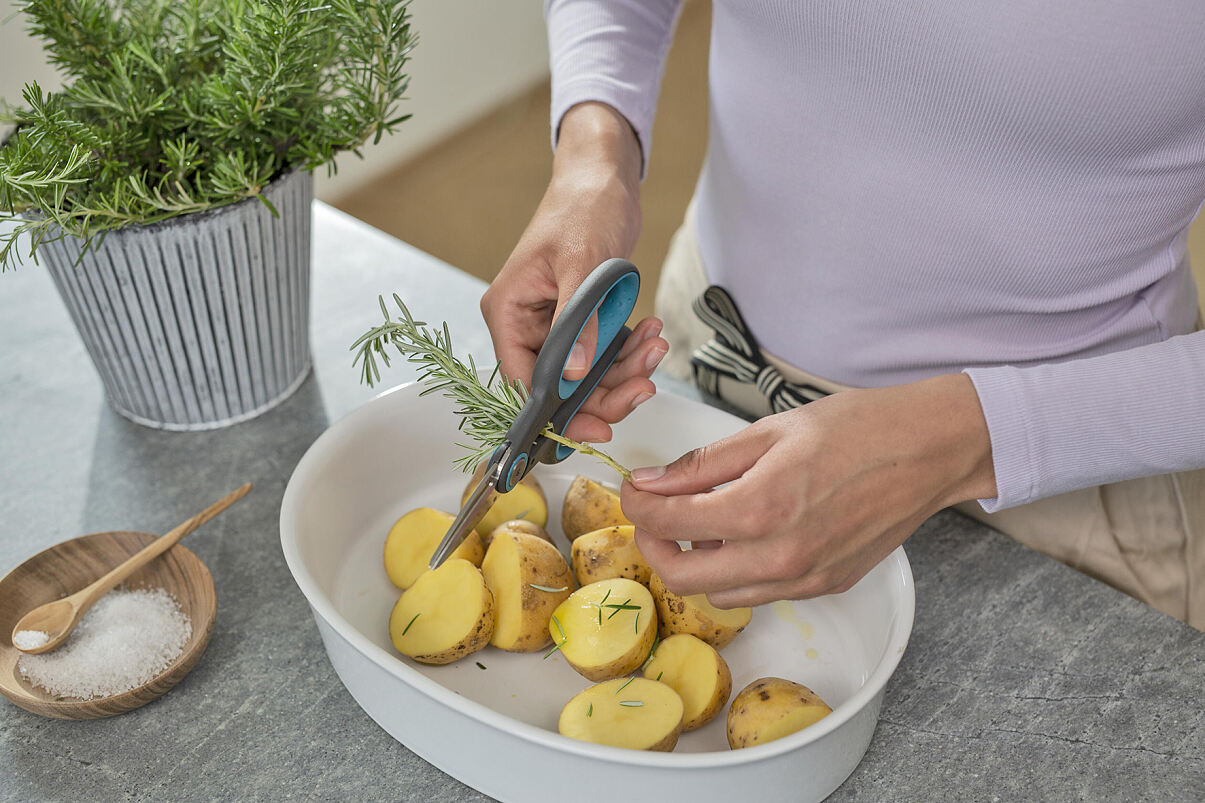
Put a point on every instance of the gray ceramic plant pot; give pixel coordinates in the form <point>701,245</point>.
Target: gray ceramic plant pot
<point>200,321</point>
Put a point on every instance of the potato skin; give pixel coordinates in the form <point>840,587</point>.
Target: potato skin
<point>763,711</point>
<point>609,552</point>
<point>539,562</point>
<point>685,615</point>
<point>590,506</point>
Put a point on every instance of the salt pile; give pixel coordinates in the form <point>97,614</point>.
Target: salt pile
<point>125,640</point>
<point>29,639</point>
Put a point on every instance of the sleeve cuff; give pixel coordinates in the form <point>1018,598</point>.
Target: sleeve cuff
<point>630,101</point>
<point>1002,396</point>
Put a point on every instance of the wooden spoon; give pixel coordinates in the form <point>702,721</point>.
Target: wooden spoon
<point>57,619</point>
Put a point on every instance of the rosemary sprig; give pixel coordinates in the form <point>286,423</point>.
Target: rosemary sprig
<point>486,409</point>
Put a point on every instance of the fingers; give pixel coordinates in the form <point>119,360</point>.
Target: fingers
<point>701,469</point>
<point>581,356</point>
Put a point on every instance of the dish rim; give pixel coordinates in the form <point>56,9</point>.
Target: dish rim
<point>900,628</point>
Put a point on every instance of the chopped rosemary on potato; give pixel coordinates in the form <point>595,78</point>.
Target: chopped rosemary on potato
<point>538,587</point>
<point>624,686</point>
<point>631,703</point>
<point>590,710</point>
<point>411,622</point>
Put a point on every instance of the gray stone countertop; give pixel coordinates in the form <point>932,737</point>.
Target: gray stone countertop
<point>1023,679</point>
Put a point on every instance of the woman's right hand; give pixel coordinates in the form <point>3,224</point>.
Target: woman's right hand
<point>590,213</point>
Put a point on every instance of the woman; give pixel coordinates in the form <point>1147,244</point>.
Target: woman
<point>975,213</point>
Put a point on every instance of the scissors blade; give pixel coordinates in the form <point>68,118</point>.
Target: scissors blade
<point>473,511</point>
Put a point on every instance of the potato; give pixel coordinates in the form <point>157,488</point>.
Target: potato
<point>517,526</point>
<point>610,552</point>
<point>447,614</point>
<point>696,616</point>
<point>525,501</point>
<point>605,629</point>
<point>590,506</point>
<point>412,541</point>
<point>698,673</point>
<point>608,714</point>
<point>771,708</point>
<point>514,566</point>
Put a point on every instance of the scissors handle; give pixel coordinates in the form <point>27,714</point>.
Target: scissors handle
<point>610,290</point>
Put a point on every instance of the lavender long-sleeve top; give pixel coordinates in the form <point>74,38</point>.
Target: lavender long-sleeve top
<point>899,189</point>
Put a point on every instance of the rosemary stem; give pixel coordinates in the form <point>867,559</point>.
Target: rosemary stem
<point>586,448</point>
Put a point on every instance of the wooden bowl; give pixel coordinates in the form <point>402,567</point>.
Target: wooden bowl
<point>67,567</point>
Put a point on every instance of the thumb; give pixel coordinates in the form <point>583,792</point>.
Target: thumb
<point>704,468</point>
<point>581,356</point>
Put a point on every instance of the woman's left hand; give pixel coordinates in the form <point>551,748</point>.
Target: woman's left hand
<point>812,498</point>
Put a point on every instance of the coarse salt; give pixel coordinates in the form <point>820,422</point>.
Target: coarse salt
<point>123,641</point>
<point>30,639</point>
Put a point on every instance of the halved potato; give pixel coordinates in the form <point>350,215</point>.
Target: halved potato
<point>525,501</point>
<point>635,713</point>
<point>605,629</point>
<point>447,614</point>
<point>609,552</point>
<point>771,708</point>
<point>529,579</point>
<point>517,526</point>
<point>590,506</point>
<point>698,673</point>
<point>412,541</point>
<point>696,616</point>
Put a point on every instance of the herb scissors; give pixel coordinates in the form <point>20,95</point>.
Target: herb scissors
<point>610,290</point>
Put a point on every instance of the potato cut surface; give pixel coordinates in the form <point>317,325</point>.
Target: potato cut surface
<point>412,541</point>
<point>605,629</point>
<point>609,552</point>
<point>525,501</point>
<point>636,713</point>
<point>447,614</point>
<point>529,579</point>
<point>698,673</point>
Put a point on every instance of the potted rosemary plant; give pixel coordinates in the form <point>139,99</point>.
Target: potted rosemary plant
<point>167,187</point>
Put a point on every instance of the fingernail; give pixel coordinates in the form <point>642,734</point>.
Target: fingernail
<point>640,399</point>
<point>653,359</point>
<point>577,358</point>
<point>647,474</point>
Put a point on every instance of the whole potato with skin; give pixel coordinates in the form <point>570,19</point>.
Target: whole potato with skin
<point>698,617</point>
<point>517,526</point>
<point>590,506</point>
<point>771,708</point>
<point>610,552</point>
<point>529,579</point>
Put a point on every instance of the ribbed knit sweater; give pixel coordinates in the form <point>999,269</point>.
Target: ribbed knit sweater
<point>896,189</point>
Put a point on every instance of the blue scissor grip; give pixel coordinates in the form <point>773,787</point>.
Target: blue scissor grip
<point>619,283</point>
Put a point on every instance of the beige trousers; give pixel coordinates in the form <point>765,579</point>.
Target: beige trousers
<point>1145,536</point>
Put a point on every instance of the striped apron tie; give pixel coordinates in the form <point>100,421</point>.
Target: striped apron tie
<point>734,353</point>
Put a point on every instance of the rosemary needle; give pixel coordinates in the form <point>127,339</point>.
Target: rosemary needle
<point>624,686</point>
<point>482,666</point>
<point>538,587</point>
<point>590,710</point>
<point>411,622</point>
<point>631,703</point>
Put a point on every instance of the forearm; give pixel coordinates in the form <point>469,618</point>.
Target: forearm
<point>1057,428</point>
<point>610,51</point>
